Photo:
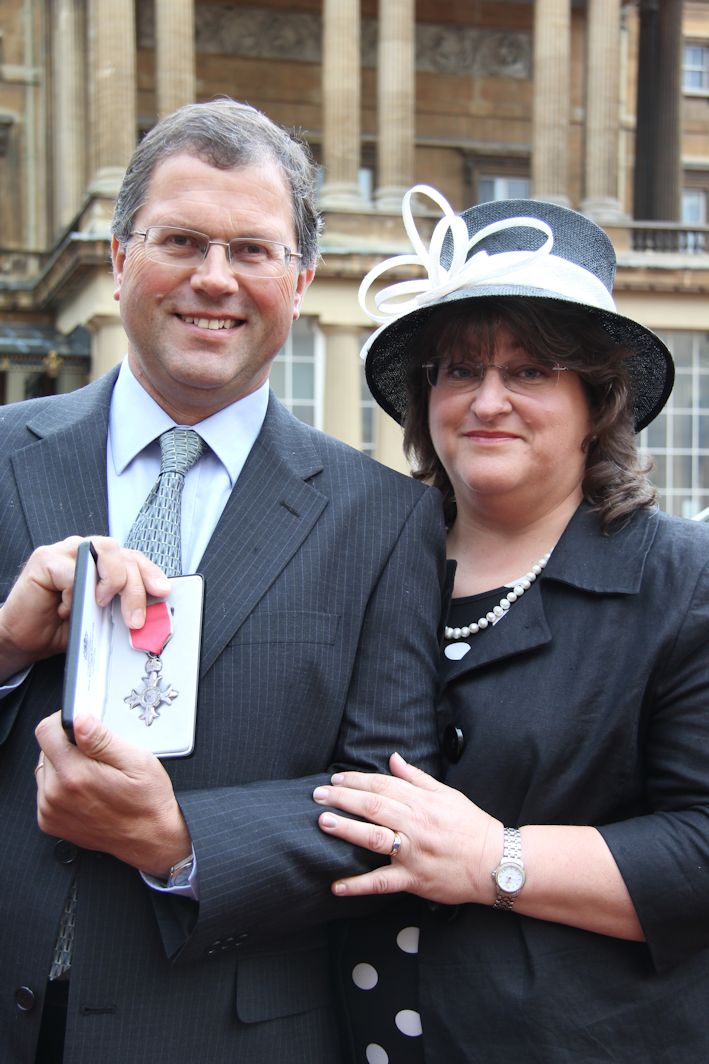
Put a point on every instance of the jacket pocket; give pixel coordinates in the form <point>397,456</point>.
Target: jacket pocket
<point>282,984</point>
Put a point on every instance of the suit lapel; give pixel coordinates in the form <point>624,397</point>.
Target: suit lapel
<point>524,628</point>
<point>584,558</point>
<point>270,512</point>
<point>61,477</point>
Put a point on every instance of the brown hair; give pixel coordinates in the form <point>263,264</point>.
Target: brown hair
<point>616,482</point>
<point>225,134</point>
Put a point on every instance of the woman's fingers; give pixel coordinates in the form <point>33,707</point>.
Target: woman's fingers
<point>377,808</point>
<point>403,770</point>
<point>404,776</point>
<point>374,837</point>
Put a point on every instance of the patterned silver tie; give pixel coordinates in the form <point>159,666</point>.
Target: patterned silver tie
<point>156,529</point>
<point>156,532</point>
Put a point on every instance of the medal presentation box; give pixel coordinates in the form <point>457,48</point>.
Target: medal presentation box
<point>141,683</point>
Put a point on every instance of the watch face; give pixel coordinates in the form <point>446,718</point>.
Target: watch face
<point>510,878</point>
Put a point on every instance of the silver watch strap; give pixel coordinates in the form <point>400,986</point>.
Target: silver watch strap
<point>511,851</point>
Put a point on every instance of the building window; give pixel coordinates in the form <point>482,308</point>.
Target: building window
<point>695,69</point>
<point>297,372</point>
<point>499,188</point>
<point>678,439</point>
<point>694,212</point>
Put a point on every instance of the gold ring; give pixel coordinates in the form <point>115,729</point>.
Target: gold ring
<point>395,845</point>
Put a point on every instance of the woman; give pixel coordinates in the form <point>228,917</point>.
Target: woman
<point>566,857</point>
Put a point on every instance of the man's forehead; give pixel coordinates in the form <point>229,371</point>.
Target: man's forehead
<point>186,184</point>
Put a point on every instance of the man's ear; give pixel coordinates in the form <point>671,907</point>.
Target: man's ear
<point>118,258</point>
<point>301,287</point>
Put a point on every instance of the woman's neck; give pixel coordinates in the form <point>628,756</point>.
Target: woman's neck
<point>491,552</point>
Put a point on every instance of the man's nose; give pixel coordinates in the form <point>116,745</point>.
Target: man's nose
<point>215,272</point>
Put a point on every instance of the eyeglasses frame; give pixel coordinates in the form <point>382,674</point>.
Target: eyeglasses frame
<point>288,253</point>
<point>475,383</point>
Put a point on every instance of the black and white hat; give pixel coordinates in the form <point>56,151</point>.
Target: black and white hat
<point>505,248</point>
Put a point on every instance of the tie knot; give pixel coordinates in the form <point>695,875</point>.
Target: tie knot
<point>179,450</point>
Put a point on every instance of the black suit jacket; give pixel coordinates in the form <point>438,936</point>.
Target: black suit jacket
<point>322,584</point>
<point>588,704</point>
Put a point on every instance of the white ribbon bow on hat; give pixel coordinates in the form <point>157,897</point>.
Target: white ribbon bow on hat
<point>539,269</point>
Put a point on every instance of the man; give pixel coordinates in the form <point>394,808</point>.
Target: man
<point>202,885</point>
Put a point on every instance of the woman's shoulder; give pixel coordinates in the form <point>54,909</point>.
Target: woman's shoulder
<point>677,540</point>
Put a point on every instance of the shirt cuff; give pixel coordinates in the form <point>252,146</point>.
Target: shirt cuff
<point>13,682</point>
<point>190,889</point>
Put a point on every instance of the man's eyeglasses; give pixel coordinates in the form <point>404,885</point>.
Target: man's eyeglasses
<point>525,378</point>
<point>186,249</point>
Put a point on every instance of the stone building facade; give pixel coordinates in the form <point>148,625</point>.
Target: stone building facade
<point>602,105</point>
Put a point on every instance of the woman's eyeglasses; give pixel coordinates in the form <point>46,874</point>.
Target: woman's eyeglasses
<point>525,378</point>
<point>186,249</point>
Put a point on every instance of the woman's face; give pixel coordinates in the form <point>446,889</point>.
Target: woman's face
<point>498,445</point>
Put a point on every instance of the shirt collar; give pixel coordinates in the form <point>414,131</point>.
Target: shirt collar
<point>135,420</point>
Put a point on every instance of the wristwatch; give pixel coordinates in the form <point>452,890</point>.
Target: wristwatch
<point>509,875</point>
<point>179,874</point>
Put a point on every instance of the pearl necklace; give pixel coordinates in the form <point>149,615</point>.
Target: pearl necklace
<point>499,611</point>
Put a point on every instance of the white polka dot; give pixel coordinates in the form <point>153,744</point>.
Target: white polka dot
<point>376,1055</point>
<point>408,940</point>
<point>408,1022</point>
<point>365,976</point>
<point>456,651</point>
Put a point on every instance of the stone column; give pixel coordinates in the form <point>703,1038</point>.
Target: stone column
<point>108,343</point>
<point>174,54</point>
<point>550,114</point>
<point>69,126</point>
<point>112,48</point>
<point>658,157</point>
<point>341,95</point>
<point>668,130</point>
<point>396,92</point>
<point>341,409</point>
<point>390,443</point>
<point>602,105</point>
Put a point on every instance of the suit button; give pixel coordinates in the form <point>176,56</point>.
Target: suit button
<point>25,999</point>
<point>65,852</point>
<point>453,742</point>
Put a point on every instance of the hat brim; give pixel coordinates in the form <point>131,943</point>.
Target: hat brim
<point>390,350</point>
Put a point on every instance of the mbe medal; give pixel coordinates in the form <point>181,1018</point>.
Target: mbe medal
<point>152,638</point>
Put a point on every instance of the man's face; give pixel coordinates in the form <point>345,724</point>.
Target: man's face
<point>192,370</point>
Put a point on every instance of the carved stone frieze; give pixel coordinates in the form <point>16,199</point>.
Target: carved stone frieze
<point>289,35</point>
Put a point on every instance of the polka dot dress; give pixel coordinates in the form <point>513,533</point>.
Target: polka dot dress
<point>380,987</point>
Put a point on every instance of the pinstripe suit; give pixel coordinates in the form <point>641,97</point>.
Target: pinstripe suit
<point>322,593</point>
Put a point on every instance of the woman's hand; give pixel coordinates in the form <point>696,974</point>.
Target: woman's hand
<point>448,846</point>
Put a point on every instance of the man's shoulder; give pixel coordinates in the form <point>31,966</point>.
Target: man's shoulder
<point>56,411</point>
<point>342,460</point>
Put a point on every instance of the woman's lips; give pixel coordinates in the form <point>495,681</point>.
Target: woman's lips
<point>489,437</point>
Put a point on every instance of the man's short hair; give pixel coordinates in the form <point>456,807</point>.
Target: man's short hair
<point>224,133</point>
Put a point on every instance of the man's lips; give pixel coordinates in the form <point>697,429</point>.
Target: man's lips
<point>214,324</point>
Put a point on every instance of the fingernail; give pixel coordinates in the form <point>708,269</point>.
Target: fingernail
<point>320,794</point>
<point>327,820</point>
<point>137,619</point>
<point>339,777</point>
<point>339,888</point>
<point>162,583</point>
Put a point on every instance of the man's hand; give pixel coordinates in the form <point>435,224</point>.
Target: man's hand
<point>109,795</point>
<point>34,620</point>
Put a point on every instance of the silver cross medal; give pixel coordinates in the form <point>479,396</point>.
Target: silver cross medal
<point>152,638</point>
